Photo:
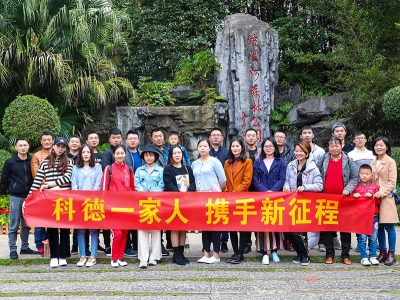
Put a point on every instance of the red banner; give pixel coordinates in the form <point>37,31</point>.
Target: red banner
<point>252,211</point>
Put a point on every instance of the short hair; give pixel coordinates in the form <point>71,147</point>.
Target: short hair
<point>171,152</point>
<point>79,159</point>
<point>250,129</point>
<point>114,131</point>
<point>217,129</point>
<point>277,154</point>
<point>306,127</point>
<point>385,140</point>
<point>75,136</point>
<point>47,133</point>
<point>365,167</point>
<point>21,139</point>
<point>91,132</point>
<point>334,139</point>
<point>155,130</point>
<point>357,133</point>
<point>281,130</point>
<point>242,155</point>
<point>132,131</point>
<point>204,140</point>
<point>305,147</point>
<point>171,133</point>
<point>118,147</point>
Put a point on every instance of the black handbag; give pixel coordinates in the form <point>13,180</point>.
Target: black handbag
<point>396,197</point>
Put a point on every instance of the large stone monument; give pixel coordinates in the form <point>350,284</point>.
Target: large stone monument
<point>247,50</point>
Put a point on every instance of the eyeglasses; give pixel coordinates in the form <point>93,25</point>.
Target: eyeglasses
<point>215,135</point>
<point>279,137</point>
<point>268,147</point>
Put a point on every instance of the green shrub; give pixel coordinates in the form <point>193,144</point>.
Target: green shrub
<point>29,116</point>
<point>278,119</point>
<point>4,201</point>
<point>153,93</point>
<point>391,104</point>
<point>4,143</point>
<point>396,156</point>
<point>4,155</point>
<point>103,147</point>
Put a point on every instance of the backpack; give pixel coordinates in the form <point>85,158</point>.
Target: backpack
<point>110,174</point>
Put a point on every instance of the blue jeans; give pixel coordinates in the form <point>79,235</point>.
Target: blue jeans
<point>372,240</point>
<point>224,236</point>
<point>40,236</point>
<point>94,236</point>
<point>391,236</point>
<point>15,219</point>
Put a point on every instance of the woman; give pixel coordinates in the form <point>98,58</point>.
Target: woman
<point>149,178</point>
<point>55,173</point>
<point>302,175</point>
<point>385,175</point>
<point>210,177</point>
<point>121,180</point>
<point>340,176</point>
<point>239,172</point>
<point>269,173</point>
<point>178,178</point>
<point>86,175</point>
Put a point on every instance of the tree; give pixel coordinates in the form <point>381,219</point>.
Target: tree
<point>62,50</point>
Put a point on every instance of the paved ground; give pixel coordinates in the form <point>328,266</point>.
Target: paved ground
<point>250,279</point>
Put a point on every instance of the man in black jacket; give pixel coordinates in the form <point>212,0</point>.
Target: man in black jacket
<point>17,176</point>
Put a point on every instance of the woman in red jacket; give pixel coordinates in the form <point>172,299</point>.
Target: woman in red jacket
<point>122,179</point>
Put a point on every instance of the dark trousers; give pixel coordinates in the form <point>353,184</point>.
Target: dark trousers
<point>168,238</point>
<point>238,246</point>
<point>209,237</point>
<point>298,243</point>
<point>345,239</point>
<point>59,243</point>
<point>224,237</point>
<point>132,240</point>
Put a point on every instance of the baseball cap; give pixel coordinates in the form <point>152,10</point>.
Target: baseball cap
<point>60,140</point>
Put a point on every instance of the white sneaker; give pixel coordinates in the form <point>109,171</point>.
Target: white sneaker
<point>365,262</point>
<point>212,260</point>
<point>152,262</point>
<point>374,261</point>
<point>143,264</point>
<point>62,262</point>
<point>81,262</point>
<point>122,263</point>
<point>54,262</point>
<point>91,262</point>
<point>114,264</point>
<point>202,260</point>
<point>265,259</point>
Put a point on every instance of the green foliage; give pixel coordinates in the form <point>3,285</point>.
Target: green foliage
<point>207,97</point>
<point>70,118</point>
<point>278,119</point>
<point>4,143</point>
<point>103,147</point>
<point>396,156</point>
<point>153,93</point>
<point>391,104</point>
<point>29,116</point>
<point>4,155</point>
<point>4,201</point>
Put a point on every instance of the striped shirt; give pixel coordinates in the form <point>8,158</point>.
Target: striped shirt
<point>63,181</point>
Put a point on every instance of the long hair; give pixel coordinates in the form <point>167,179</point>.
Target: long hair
<point>62,165</point>
<point>242,155</point>
<point>170,154</point>
<point>277,154</point>
<point>79,159</point>
<point>385,140</point>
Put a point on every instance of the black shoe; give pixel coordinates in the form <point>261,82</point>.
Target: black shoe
<point>224,247</point>
<point>13,255</point>
<point>231,258</point>
<point>305,261</point>
<point>74,250</point>
<point>108,251</point>
<point>100,248</point>
<point>28,251</point>
<point>297,259</point>
<point>178,258</point>
<point>169,248</point>
<point>238,259</point>
<point>164,251</point>
<point>247,249</point>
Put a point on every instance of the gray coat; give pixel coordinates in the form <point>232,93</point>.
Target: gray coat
<point>312,179</point>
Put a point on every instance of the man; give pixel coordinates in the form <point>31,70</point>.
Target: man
<point>17,176</point>
<point>252,150</point>
<point>47,141</point>
<point>93,140</point>
<point>287,154</point>
<point>74,144</point>
<point>307,135</point>
<point>133,160</point>
<point>132,141</point>
<point>220,152</point>
<point>339,130</point>
<point>360,154</point>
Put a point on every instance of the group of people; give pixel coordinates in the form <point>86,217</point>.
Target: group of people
<point>339,169</point>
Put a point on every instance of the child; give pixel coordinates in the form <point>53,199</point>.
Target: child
<point>366,189</point>
<point>173,139</point>
<point>149,178</point>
